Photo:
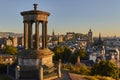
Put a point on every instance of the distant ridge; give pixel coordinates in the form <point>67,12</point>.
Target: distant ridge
<point>6,34</point>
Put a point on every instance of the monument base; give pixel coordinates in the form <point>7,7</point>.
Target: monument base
<point>35,58</point>
<point>30,62</point>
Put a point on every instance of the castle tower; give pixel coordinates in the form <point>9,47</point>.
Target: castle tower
<point>90,35</point>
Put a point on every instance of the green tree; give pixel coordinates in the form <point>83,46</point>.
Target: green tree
<point>81,69</point>
<point>58,50</point>
<point>62,53</point>
<point>82,53</point>
<point>10,50</point>
<point>105,68</point>
<point>66,54</point>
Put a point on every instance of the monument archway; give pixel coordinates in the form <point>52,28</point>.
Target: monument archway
<point>37,17</point>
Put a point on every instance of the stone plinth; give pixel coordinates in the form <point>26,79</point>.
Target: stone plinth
<point>35,58</point>
<point>30,62</point>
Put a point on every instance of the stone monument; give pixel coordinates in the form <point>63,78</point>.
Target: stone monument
<point>33,58</point>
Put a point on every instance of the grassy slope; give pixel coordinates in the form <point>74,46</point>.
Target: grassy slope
<point>84,77</point>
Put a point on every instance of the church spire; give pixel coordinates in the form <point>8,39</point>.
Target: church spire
<point>53,33</point>
<point>90,30</point>
<point>99,36</point>
<point>100,42</point>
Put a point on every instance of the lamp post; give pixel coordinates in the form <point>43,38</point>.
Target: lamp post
<point>17,72</point>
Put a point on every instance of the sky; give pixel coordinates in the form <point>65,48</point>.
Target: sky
<point>101,16</point>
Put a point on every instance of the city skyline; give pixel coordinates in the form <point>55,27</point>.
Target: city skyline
<point>66,16</point>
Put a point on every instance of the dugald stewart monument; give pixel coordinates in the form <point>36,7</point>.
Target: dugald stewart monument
<point>35,62</point>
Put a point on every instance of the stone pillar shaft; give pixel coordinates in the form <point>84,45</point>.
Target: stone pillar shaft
<point>43,35</point>
<point>25,35</point>
<point>46,35</point>
<point>59,68</point>
<point>37,35</point>
<point>41,73</point>
<point>30,37</point>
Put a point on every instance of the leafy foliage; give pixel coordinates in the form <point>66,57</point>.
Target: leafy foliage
<point>82,69</point>
<point>10,50</point>
<point>66,54</point>
<point>98,78</point>
<point>82,53</point>
<point>62,53</point>
<point>105,68</point>
<point>58,50</point>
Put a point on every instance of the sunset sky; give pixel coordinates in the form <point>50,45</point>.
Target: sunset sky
<point>66,15</point>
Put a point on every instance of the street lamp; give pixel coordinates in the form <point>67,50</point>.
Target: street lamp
<point>17,72</point>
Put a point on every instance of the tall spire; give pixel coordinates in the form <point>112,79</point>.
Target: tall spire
<point>90,30</point>
<point>100,42</point>
<point>53,32</point>
<point>99,36</point>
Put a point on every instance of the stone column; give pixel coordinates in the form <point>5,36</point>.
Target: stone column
<point>25,35</point>
<point>59,69</point>
<point>43,35</point>
<point>40,73</point>
<point>37,35</point>
<point>30,36</point>
<point>46,38</point>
